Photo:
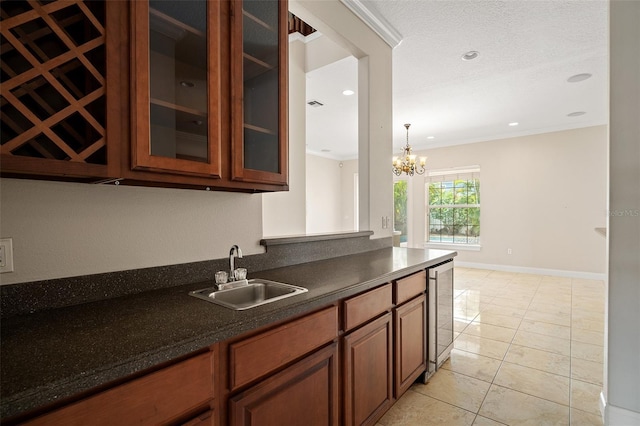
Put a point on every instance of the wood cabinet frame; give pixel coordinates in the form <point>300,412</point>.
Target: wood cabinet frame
<point>363,350</point>
<point>128,159</point>
<point>141,157</point>
<point>410,350</point>
<point>238,170</point>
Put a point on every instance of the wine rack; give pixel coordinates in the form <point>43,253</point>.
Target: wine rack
<point>52,80</point>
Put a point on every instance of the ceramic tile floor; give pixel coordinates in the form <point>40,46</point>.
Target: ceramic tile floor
<point>528,351</point>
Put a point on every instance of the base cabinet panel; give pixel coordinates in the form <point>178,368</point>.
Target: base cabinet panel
<point>161,397</point>
<point>304,394</point>
<point>410,343</point>
<point>368,374</point>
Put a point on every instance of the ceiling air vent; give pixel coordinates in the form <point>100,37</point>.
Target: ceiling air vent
<point>315,103</point>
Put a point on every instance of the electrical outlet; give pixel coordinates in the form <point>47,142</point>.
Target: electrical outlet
<point>6,255</point>
<point>509,251</point>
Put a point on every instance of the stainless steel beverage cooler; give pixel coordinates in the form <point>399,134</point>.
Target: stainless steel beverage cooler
<point>439,317</point>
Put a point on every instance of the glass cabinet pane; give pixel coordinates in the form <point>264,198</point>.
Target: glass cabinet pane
<point>178,79</point>
<point>260,28</point>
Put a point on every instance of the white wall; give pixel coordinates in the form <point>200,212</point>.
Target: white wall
<point>541,195</point>
<point>336,21</point>
<point>622,363</point>
<point>323,51</point>
<point>284,213</point>
<point>69,229</point>
<point>348,211</point>
<point>324,201</point>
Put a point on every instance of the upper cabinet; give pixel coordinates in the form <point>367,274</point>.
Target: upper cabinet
<point>149,92</point>
<point>259,96</point>
<point>54,88</point>
<point>176,93</point>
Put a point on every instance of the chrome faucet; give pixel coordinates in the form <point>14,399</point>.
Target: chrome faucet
<point>235,251</point>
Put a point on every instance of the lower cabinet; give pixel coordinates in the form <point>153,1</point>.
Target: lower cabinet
<point>344,364</point>
<point>304,394</point>
<point>368,372</point>
<point>172,395</point>
<point>410,343</point>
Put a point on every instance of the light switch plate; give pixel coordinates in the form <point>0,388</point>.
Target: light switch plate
<point>6,255</point>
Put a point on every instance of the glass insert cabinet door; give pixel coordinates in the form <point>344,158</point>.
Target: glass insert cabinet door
<point>176,85</point>
<point>259,77</point>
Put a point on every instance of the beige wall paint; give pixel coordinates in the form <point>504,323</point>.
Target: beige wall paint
<point>324,179</point>
<point>331,194</point>
<point>284,213</point>
<point>334,20</point>
<point>348,171</point>
<point>70,229</point>
<point>541,195</point>
<point>323,51</point>
<point>622,367</point>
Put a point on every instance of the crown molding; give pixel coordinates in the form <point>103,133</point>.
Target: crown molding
<point>375,21</point>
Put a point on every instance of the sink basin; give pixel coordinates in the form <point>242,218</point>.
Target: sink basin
<point>248,294</point>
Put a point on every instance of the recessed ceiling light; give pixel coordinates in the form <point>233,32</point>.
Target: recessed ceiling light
<point>348,92</point>
<point>578,77</point>
<point>513,123</point>
<point>431,137</point>
<point>576,114</point>
<point>472,54</point>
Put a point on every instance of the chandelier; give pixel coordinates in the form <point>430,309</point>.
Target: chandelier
<point>407,162</point>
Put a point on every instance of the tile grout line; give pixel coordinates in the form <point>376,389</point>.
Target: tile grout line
<point>511,343</point>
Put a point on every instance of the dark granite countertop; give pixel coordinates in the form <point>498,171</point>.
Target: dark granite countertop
<point>54,354</point>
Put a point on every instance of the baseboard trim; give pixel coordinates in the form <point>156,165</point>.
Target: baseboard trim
<point>536,271</point>
<point>616,416</point>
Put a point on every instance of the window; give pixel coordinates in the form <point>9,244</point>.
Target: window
<point>400,223</point>
<point>453,207</point>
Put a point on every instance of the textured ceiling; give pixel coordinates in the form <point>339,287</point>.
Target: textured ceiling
<point>527,51</point>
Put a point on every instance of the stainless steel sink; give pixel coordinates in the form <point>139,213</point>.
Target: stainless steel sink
<point>248,294</point>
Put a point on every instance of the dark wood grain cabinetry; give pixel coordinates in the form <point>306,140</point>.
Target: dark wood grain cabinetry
<point>176,394</point>
<point>410,343</point>
<point>410,330</point>
<point>346,363</point>
<point>176,92</point>
<point>259,121</point>
<point>306,393</point>
<point>286,374</point>
<point>147,92</point>
<point>367,356</point>
<point>56,88</point>
<point>368,372</point>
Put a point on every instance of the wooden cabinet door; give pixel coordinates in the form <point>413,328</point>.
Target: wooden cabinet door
<point>56,87</point>
<point>176,93</point>
<point>410,343</point>
<point>259,60</point>
<point>160,397</point>
<point>367,372</point>
<point>305,393</point>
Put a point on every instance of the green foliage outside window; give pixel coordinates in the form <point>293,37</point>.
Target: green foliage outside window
<point>454,211</point>
<point>400,206</point>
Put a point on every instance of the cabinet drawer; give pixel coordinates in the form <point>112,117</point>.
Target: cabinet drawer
<point>156,398</point>
<point>259,355</point>
<point>364,307</point>
<point>408,287</point>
